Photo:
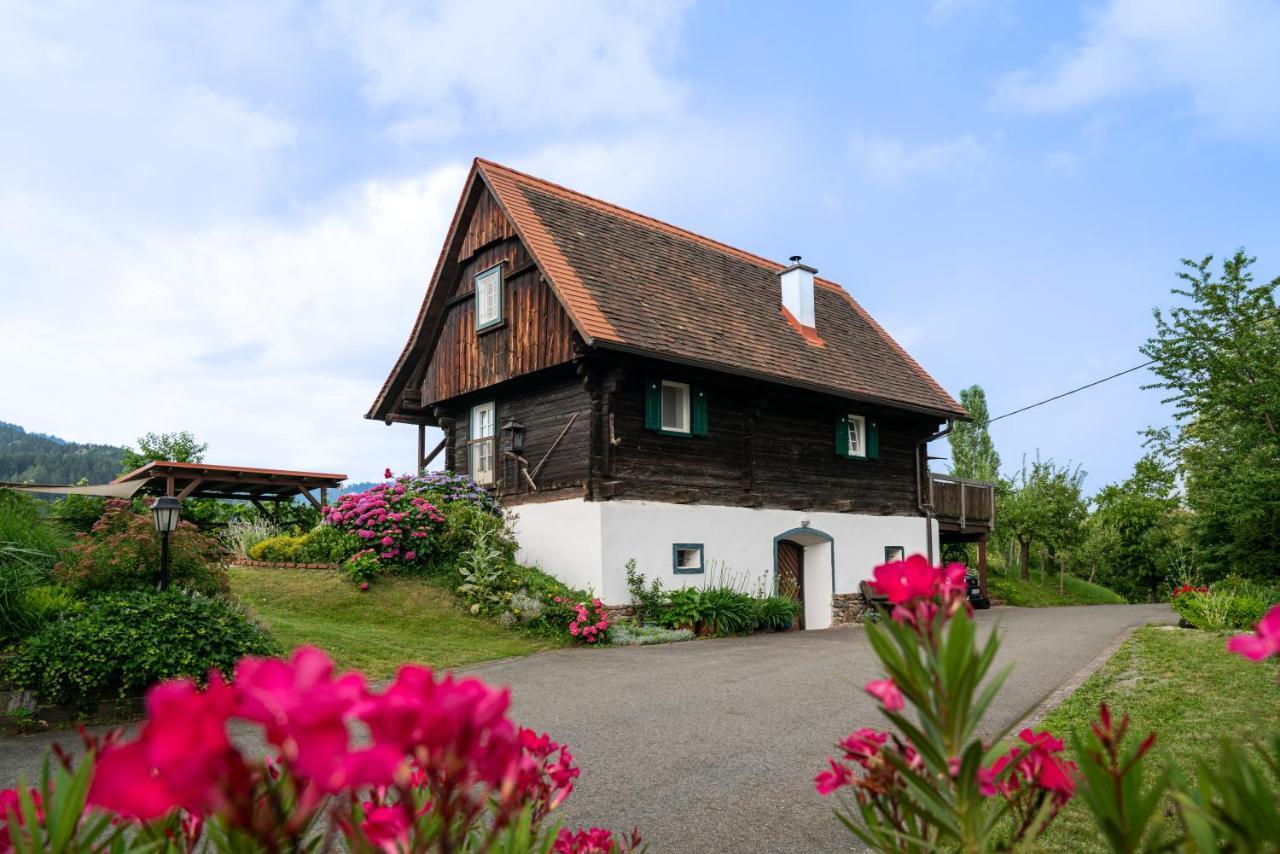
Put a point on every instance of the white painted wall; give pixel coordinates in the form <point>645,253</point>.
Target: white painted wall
<point>587,544</point>
<point>562,538</point>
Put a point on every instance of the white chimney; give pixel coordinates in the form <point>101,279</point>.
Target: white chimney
<point>797,291</point>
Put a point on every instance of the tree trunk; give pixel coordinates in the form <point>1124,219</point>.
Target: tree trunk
<point>1026,559</point>
<point>1093,573</point>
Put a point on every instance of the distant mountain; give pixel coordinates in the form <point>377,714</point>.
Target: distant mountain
<point>39,458</point>
<point>357,487</point>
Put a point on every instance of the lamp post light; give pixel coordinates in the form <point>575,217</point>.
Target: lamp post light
<point>165,510</point>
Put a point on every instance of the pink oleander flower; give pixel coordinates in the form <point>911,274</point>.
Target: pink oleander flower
<point>953,579</point>
<point>905,580</point>
<point>596,840</point>
<point>838,776</point>
<point>1263,643</point>
<point>10,805</point>
<point>385,826</point>
<point>886,691</point>
<point>861,745</point>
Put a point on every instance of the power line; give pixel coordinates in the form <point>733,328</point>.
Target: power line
<point>1067,393</point>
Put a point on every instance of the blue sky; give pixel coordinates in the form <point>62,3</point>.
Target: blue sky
<point>222,217</point>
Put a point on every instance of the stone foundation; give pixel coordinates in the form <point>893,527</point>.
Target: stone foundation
<point>619,612</point>
<point>847,608</point>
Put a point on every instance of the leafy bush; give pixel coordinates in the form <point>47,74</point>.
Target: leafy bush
<point>650,601</point>
<point>684,608</point>
<point>122,552</point>
<point>241,535</point>
<point>48,602</point>
<point>282,548</point>
<point>775,613</point>
<point>326,544</point>
<point>124,642</point>
<point>29,548</point>
<point>1225,606</point>
<point>76,514</point>
<point>362,566</point>
<point>722,610</point>
<point>399,521</point>
<point>624,634</point>
<point>485,586</point>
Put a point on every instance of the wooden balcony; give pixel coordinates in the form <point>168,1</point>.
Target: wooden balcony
<point>964,506</point>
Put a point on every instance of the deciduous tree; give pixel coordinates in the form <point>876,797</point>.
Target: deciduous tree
<point>1042,504</point>
<point>973,454</point>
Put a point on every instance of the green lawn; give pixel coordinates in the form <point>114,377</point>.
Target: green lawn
<point>397,620</point>
<point>1012,590</point>
<point>1180,683</point>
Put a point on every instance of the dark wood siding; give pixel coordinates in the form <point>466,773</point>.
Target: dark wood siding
<point>545,406</point>
<point>766,446</point>
<point>535,332</point>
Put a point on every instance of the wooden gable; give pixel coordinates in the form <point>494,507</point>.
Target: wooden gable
<point>535,331</point>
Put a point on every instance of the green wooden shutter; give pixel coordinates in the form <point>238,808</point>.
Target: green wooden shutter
<point>842,436</point>
<point>698,409</point>
<point>652,405</point>
<point>873,441</point>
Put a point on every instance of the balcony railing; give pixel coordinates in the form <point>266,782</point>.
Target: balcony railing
<point>967,503</point>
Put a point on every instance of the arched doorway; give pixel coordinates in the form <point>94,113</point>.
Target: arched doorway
<point>804,567</point>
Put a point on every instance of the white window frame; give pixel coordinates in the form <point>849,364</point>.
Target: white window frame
<point>685,410</point>
<point>857,436</point>
<point>478,444</point>
<point>488,288</point>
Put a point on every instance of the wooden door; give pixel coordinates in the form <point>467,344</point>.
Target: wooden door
<point>791,576</point>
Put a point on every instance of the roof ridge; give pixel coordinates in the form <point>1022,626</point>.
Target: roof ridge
<point>669,227</point>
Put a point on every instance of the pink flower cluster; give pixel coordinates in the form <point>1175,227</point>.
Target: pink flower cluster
<point>388,518</point>
<point>443,746</point>
<point>11,810</point>
<point>1037,765</point>
<point>1264,642</point>
<point>913,587</point>
<point>589,623</point>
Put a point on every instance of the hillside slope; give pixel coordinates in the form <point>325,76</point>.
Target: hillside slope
<point>38,458</point>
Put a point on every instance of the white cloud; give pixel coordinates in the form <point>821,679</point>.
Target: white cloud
<point>888,160</point>
<point>268,341</point>
<point>512,65</point>
<point>1220,53</point>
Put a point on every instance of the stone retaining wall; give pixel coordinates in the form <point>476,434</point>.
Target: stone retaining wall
<point>847,608</point>
<point>270,564</point>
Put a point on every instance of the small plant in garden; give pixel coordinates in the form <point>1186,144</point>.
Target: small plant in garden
<point>241,535</point>
<point>589,622</point>
<point>649,600</point>
<point>483,571</point>
<point>445,770</point>
<point>622,634</point>
<point>362,566</point>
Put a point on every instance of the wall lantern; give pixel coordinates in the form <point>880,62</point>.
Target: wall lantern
<point>516,431</point>
<point>165,510</point>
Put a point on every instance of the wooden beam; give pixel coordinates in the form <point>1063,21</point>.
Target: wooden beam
<point>190,487</point>
<point>435,453</point>
<point>554,445</point>
<point>311,498</point>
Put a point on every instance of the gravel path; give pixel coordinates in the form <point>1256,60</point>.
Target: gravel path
<point>712,745</point>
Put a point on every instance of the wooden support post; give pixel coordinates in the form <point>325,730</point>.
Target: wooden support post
<point>982,565</point>
<point>311,498</point>
<point>324,496</point>
<point>422,449</point>
<point>168,486</point>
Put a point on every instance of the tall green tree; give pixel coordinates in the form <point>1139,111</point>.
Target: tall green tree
<point>177,447</point>
<point>1043,503</point>
<point>1218,357</point>
<point>1134,530</point>
<point>973,454</point>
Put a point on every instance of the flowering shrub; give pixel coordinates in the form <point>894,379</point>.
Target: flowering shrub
<point>362,566</point>
<point>589,623</point>
<point>122,552</point>
<point>446,769</point>
<point>1224,606</point>
<point>393,519</point>
<point>1188,588</point>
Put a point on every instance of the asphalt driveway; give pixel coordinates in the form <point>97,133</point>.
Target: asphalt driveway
<point>712,745</point>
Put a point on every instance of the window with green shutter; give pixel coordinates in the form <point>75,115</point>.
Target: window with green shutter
<point>857,437</point>
<point>675,408</point>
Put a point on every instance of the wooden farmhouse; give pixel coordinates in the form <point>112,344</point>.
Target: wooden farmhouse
<point>634,390</point>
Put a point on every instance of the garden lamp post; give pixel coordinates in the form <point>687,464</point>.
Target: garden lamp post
<point>165,509</point>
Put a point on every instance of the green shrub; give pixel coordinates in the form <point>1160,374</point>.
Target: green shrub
<point>327,544</point>
<point>485,586</point>
<point>684,608</point>
<point>1227,606</point>
<point>623,634</point>
<point>122,552</point>
<point>465,525</point>
<point>722,610</point>
<point>242,534</point>
<point>29,547</point>
<point>776,613</point>
<point>280,549</point>
<point>121,643</point>
<point>48,602</point>
<point>649,600</point>
<point>76,514</point>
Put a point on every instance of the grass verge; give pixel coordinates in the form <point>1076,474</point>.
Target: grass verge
<point>1180,683</point>
<point>1012,590</point>
<point>397,620</point>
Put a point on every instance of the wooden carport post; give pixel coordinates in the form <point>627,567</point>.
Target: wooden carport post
<point>422,449</point>
<point>982,564</point>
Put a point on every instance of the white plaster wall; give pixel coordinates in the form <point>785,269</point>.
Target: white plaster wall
<point>587,545</point>
<point>563,538</point>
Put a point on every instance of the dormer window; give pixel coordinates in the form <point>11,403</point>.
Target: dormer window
<point>857,438</point>
<point>488,286</point>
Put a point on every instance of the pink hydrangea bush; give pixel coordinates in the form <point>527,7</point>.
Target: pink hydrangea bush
<point>395,522</point>
<point>444,769</point>
<point>590,621</point>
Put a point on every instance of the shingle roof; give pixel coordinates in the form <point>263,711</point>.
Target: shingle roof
<point>635,283</point>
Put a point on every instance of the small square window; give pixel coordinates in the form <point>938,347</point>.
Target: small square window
<point>857,436</point>
<point>686,558</point>
<point>675,407</point>
<point>488,298</point>
<point>893,554</point>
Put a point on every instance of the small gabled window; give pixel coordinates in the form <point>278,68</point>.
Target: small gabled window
<point>857,437</point>
<point>488,287</point>
<point>686,558</point>
<point>481,443</point>
<point>675,408</point>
